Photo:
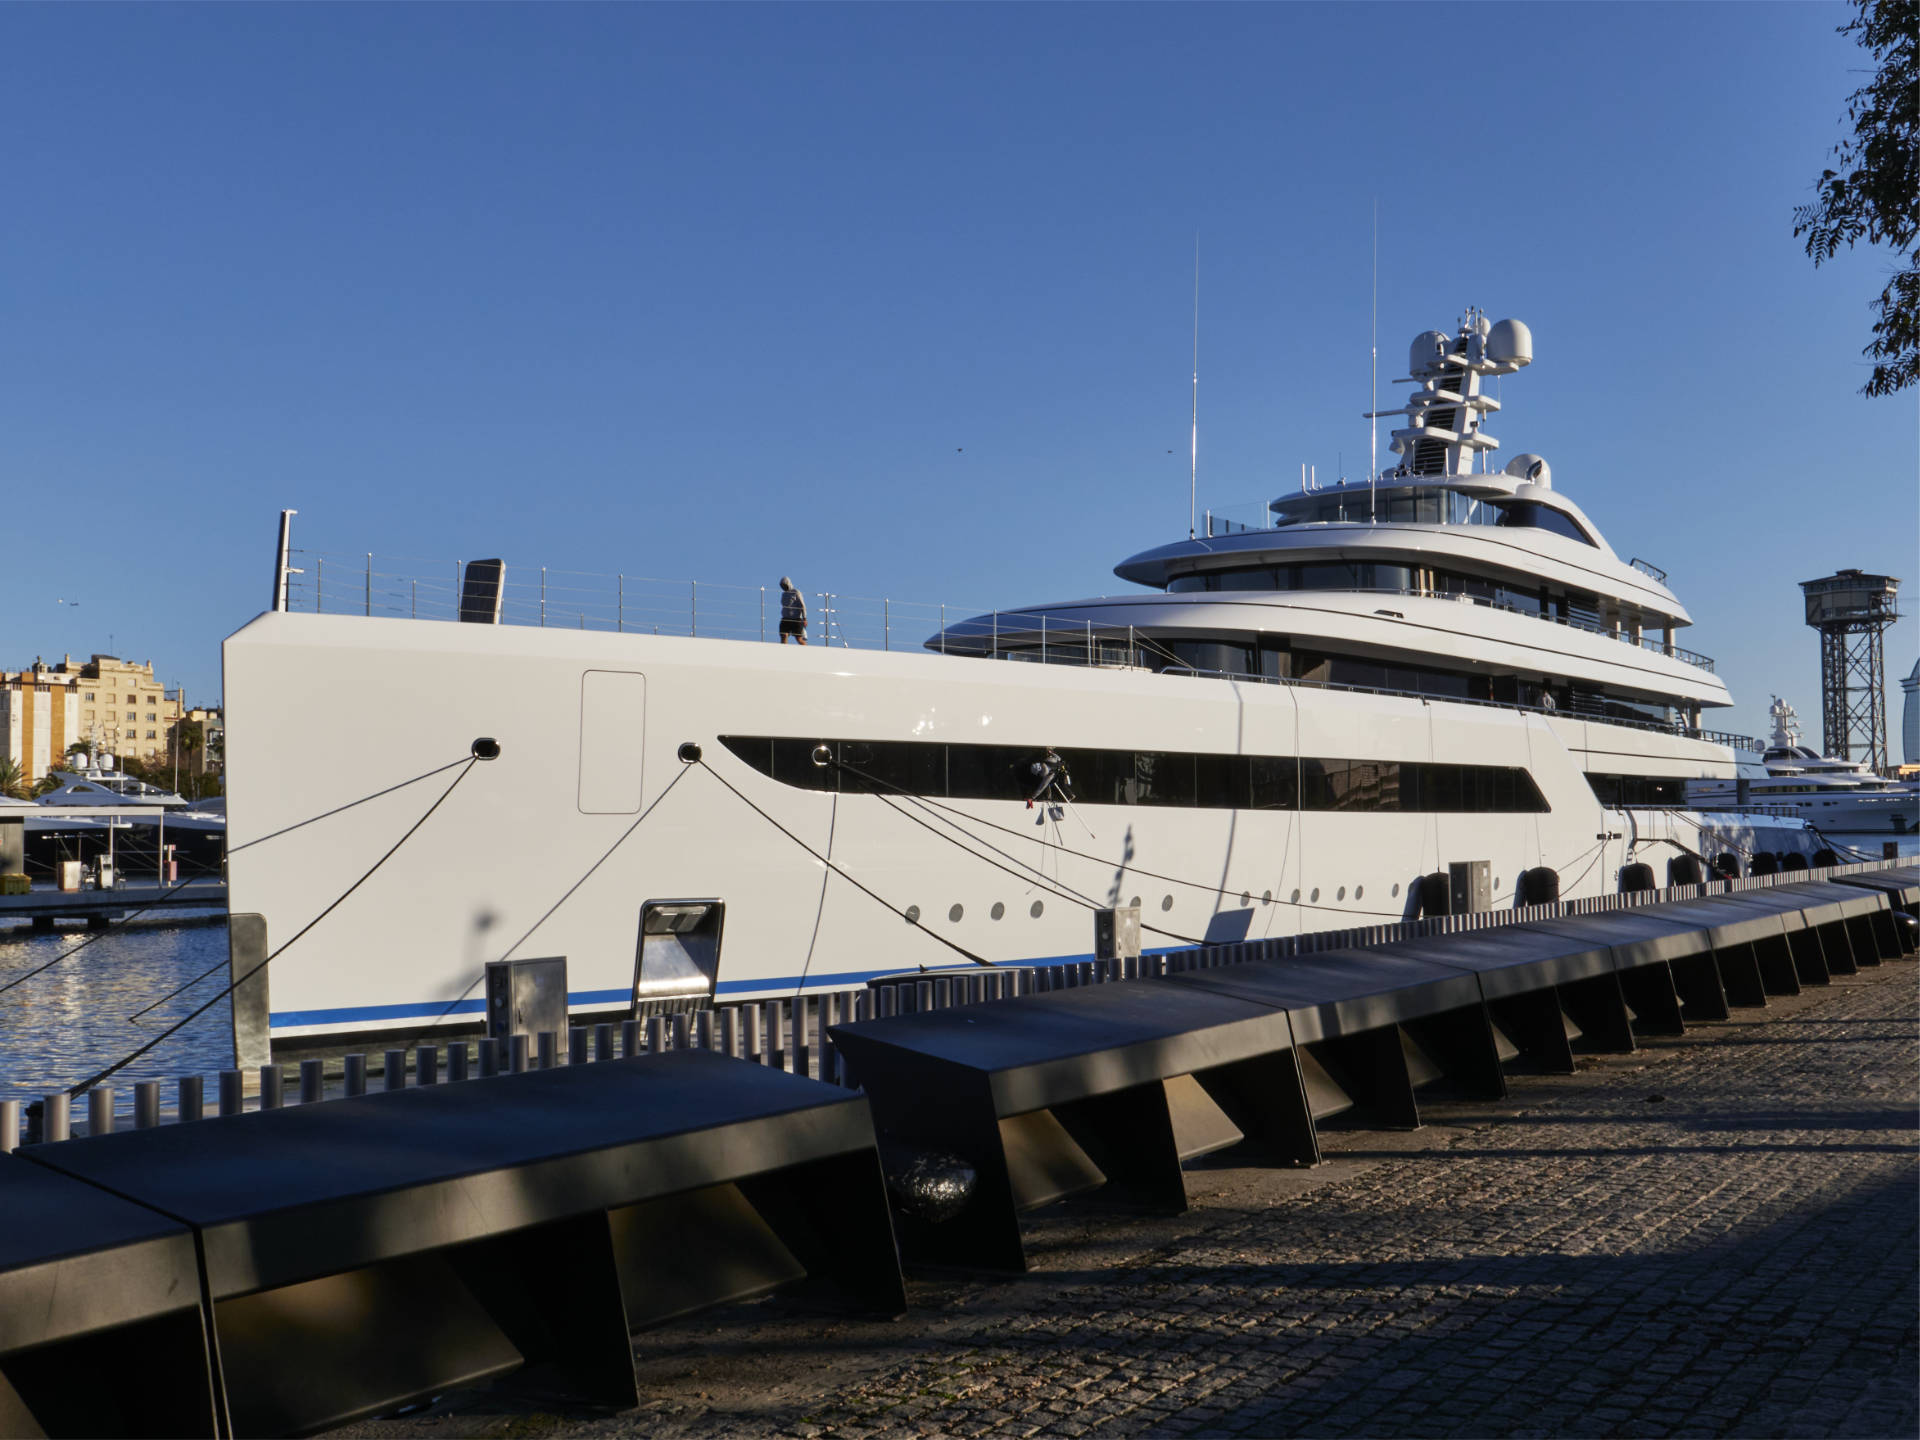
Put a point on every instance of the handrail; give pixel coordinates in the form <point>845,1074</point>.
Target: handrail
<point>540,596</point>
<point>1646,567</point>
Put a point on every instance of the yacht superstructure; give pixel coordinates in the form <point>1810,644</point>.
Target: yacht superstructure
<point>1288,730</point>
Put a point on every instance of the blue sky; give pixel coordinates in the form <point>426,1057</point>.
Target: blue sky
<point>898,299</point>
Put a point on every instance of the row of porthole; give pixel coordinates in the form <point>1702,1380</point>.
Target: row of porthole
<point>998,912</point>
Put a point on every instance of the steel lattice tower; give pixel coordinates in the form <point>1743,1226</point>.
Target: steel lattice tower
<point>1852,610</point>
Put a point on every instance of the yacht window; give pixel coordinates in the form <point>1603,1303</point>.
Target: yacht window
<point>1222,656</point>
<point>1617,790</point>
<point>1531,515</point>
<point>1149,777</point>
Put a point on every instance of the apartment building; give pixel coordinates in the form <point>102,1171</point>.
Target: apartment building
<point>39,717</point>
<point>123,709</point>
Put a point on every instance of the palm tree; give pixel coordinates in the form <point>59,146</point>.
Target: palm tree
<point>13,780</point>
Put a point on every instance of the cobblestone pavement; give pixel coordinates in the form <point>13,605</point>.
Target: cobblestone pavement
<point>1714,1236</point>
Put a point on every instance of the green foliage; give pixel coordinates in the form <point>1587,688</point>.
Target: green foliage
<point>1873,191</point>
<point>13,780</point>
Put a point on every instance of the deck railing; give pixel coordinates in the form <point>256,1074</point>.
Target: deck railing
<point>340,584</point>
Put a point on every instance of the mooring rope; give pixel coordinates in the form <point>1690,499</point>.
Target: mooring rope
<point>437,770</point>
<point>877,899</point>
<point>121,1064</point>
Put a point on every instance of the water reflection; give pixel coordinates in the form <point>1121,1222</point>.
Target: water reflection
<point>68,1022</point>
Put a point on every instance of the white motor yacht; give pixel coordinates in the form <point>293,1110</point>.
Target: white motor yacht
<point>1289,728</point>
<point>1839,795</point>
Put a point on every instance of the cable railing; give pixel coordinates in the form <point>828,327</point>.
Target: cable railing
<point>540,596</point>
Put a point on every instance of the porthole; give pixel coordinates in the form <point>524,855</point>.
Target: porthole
<point>1496,882</point>
<point>1038,906</point>
<point>1266,897</point>
<point>1166,902</point>
<point>1315,897</point>
<point>1135,902</point>
<point>913,914</point>
<point>955,913</point>
<point>1358,891</point>
<point>1245,898</point>
<point>1341,894</point>
<point>1296,898</point>
<point>1396,889</point>
<point>998,910</point>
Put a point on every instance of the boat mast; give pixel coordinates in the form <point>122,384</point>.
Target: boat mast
<point>1193,475</point>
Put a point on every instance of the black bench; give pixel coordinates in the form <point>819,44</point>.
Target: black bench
<point>1104,1087</point>
<point>1371,1028</point>
<point>363,1253</point>
<point>100,1321</point>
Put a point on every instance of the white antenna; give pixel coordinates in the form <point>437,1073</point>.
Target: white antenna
<point>1373,378</point>
<point>1193,477</point>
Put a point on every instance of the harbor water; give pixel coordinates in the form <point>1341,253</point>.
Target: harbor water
<point>79,1014</point>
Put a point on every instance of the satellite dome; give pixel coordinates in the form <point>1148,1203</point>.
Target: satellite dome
<point>1530,468</point>
<point>1510,342</point>
<point>1428,350</point>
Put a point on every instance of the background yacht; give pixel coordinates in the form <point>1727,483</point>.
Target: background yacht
<point>1288,729</point>
<point>1841,795</point>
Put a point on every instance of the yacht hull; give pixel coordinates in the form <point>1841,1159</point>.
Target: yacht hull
<point>544,850</point>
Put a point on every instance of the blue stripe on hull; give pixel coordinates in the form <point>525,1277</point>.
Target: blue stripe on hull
<point>351,1015</point>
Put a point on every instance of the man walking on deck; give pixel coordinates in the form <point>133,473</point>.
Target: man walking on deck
<point>793,613</point>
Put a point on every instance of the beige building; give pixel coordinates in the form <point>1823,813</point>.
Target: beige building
<point>114,705</point>
<point>123,709</point>
<point>39,718</point>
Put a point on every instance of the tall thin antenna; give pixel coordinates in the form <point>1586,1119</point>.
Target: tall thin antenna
<point>1193,477</point>
<point>1373,379</point>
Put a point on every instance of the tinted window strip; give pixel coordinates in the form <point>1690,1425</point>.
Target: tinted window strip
<point>1172,778</point>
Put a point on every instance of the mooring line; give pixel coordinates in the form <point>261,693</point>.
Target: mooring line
<point>929,933</point>
<point>94,1079</point>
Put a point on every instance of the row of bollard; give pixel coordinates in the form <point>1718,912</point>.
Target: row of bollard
<point>786,1034</point>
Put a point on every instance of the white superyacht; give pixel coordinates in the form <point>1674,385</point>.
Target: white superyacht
<point>1284,731</point>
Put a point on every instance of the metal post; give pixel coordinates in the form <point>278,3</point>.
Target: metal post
<point>730,1032</point>
<point>886,623</point>
<point>281,559</point>
<point>232,1092</point>
<point>603,1041</point>
<point>771,1032</point>
<point>517,1054</point>
<point>693,609</point>
<point>629,1039</point>
<point>313,1081</point>
<point>943,627</point>
<point>620,606</point>
<point>354,1079</point>
<point>319,584</point>
<point>426,1064</point>
<point>100,1110</point>
<point>543,596</point>
<point>369,582</point>
<point>752,1017</point>
<point>996,634</point>
<point>393,1070</point>
<point>489,1049</point>
<point>191,1103</point>
<point>272,1088</point>
<point>577,1052</point>
<point>413,603</point>
<point>457,1061</point>
<point>681,1039</point>
<point>546,1041</point>
<point>656,1034</point>
<point>1043,639</point>
<point>9,1126</point>
<point>56,1117</point>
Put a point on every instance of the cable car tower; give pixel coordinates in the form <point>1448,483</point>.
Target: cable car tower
<point>1852,610</point>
